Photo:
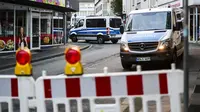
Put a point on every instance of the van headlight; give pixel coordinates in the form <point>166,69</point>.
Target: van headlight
<point>164,44</point>
<point>124,47</point>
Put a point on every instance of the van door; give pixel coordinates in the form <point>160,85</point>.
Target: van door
<point>177,36</point>
<point>80,29</point>
<point>115,24</point>
<point>95,27</point>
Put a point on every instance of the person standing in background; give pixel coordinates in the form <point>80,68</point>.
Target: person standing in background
<point>22,38</point>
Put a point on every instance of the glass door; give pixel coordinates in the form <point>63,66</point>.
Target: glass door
<point>35,35</point>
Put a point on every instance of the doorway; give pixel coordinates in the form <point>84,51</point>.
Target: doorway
<point>35,30</point>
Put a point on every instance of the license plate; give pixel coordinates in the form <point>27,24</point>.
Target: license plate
<point>116,36</point>
<point>143,59</point>
<point>113,35</point>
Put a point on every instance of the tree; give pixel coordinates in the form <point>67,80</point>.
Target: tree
<point>116,7</point>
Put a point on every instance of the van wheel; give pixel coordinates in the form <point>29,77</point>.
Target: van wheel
<point>74,38</point>
<point>100,40</point>
<point>114,41</point>
<point>125,65</point>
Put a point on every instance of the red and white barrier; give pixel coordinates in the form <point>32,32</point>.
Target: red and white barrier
<point>99,86</point>
<point>9,87</point>
<point>21,88</point>
<point>150,85</point>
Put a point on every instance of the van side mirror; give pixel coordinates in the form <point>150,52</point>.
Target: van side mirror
<point>121,29</point>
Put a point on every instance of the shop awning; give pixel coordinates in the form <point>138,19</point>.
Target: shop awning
<point>40,5</point>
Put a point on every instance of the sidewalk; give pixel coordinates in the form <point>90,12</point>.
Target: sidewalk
<point>8,60</point>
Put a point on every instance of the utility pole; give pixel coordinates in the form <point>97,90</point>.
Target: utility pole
<point>185,66</point>
<point>65,29</point>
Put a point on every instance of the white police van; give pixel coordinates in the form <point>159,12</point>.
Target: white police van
<point>100,28</point>
<point>151,35</point>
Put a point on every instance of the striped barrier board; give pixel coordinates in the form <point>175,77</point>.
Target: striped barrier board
<point>150,85</point>
<point>106,86</point>
<point>14,89</point>
<point>9,87</point>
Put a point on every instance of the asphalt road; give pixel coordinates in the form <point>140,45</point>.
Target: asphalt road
<point>94,59</point>
<point>98,56</point>
<point>55,66</point>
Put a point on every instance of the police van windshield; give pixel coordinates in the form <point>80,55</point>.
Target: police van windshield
<point>149,21</point>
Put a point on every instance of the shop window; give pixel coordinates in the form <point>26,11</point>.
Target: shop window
<point>20,22</point>
<point>58,23</point>
<point>58,31</point>
<point>46,26</point>
<point>6,30</point>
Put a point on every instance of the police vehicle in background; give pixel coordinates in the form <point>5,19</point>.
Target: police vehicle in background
<point>97,28</point>
<point>151,35</point>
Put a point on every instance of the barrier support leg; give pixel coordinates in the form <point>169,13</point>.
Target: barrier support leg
<point>159,104</point>
<point>0,107</point>
<point>79,105</point>
<point>175,103</point>
<point>24,107</point>
<point>92,105</point>
<point>10,105</point>
<point>145,104</point>
<point>55,107</point>
<point>67,107</point>
<point>131,105</point>
<point>118,104</point>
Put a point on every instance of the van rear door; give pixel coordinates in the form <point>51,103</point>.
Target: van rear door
<point>114,29</point>
<point>115,24</point>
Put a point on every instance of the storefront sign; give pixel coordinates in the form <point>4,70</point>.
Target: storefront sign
<point>52,2</point>
<point>176,4</point>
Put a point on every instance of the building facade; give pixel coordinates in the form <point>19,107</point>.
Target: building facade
<point>103,8</point>
<point>86,7</point>
<point>194,12</point>
<point>37,20</point>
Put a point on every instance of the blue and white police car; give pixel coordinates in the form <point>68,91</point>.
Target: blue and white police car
<point>97,28</point>
<point>151,35</point>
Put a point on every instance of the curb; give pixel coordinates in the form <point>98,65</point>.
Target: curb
<point>44,58</point>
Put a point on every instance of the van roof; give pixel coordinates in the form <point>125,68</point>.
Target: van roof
<point>151,10</point>
<point>103,17</point>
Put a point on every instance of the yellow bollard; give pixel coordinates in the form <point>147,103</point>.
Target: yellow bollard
<point>73,59</point>
<point>23,62</point>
